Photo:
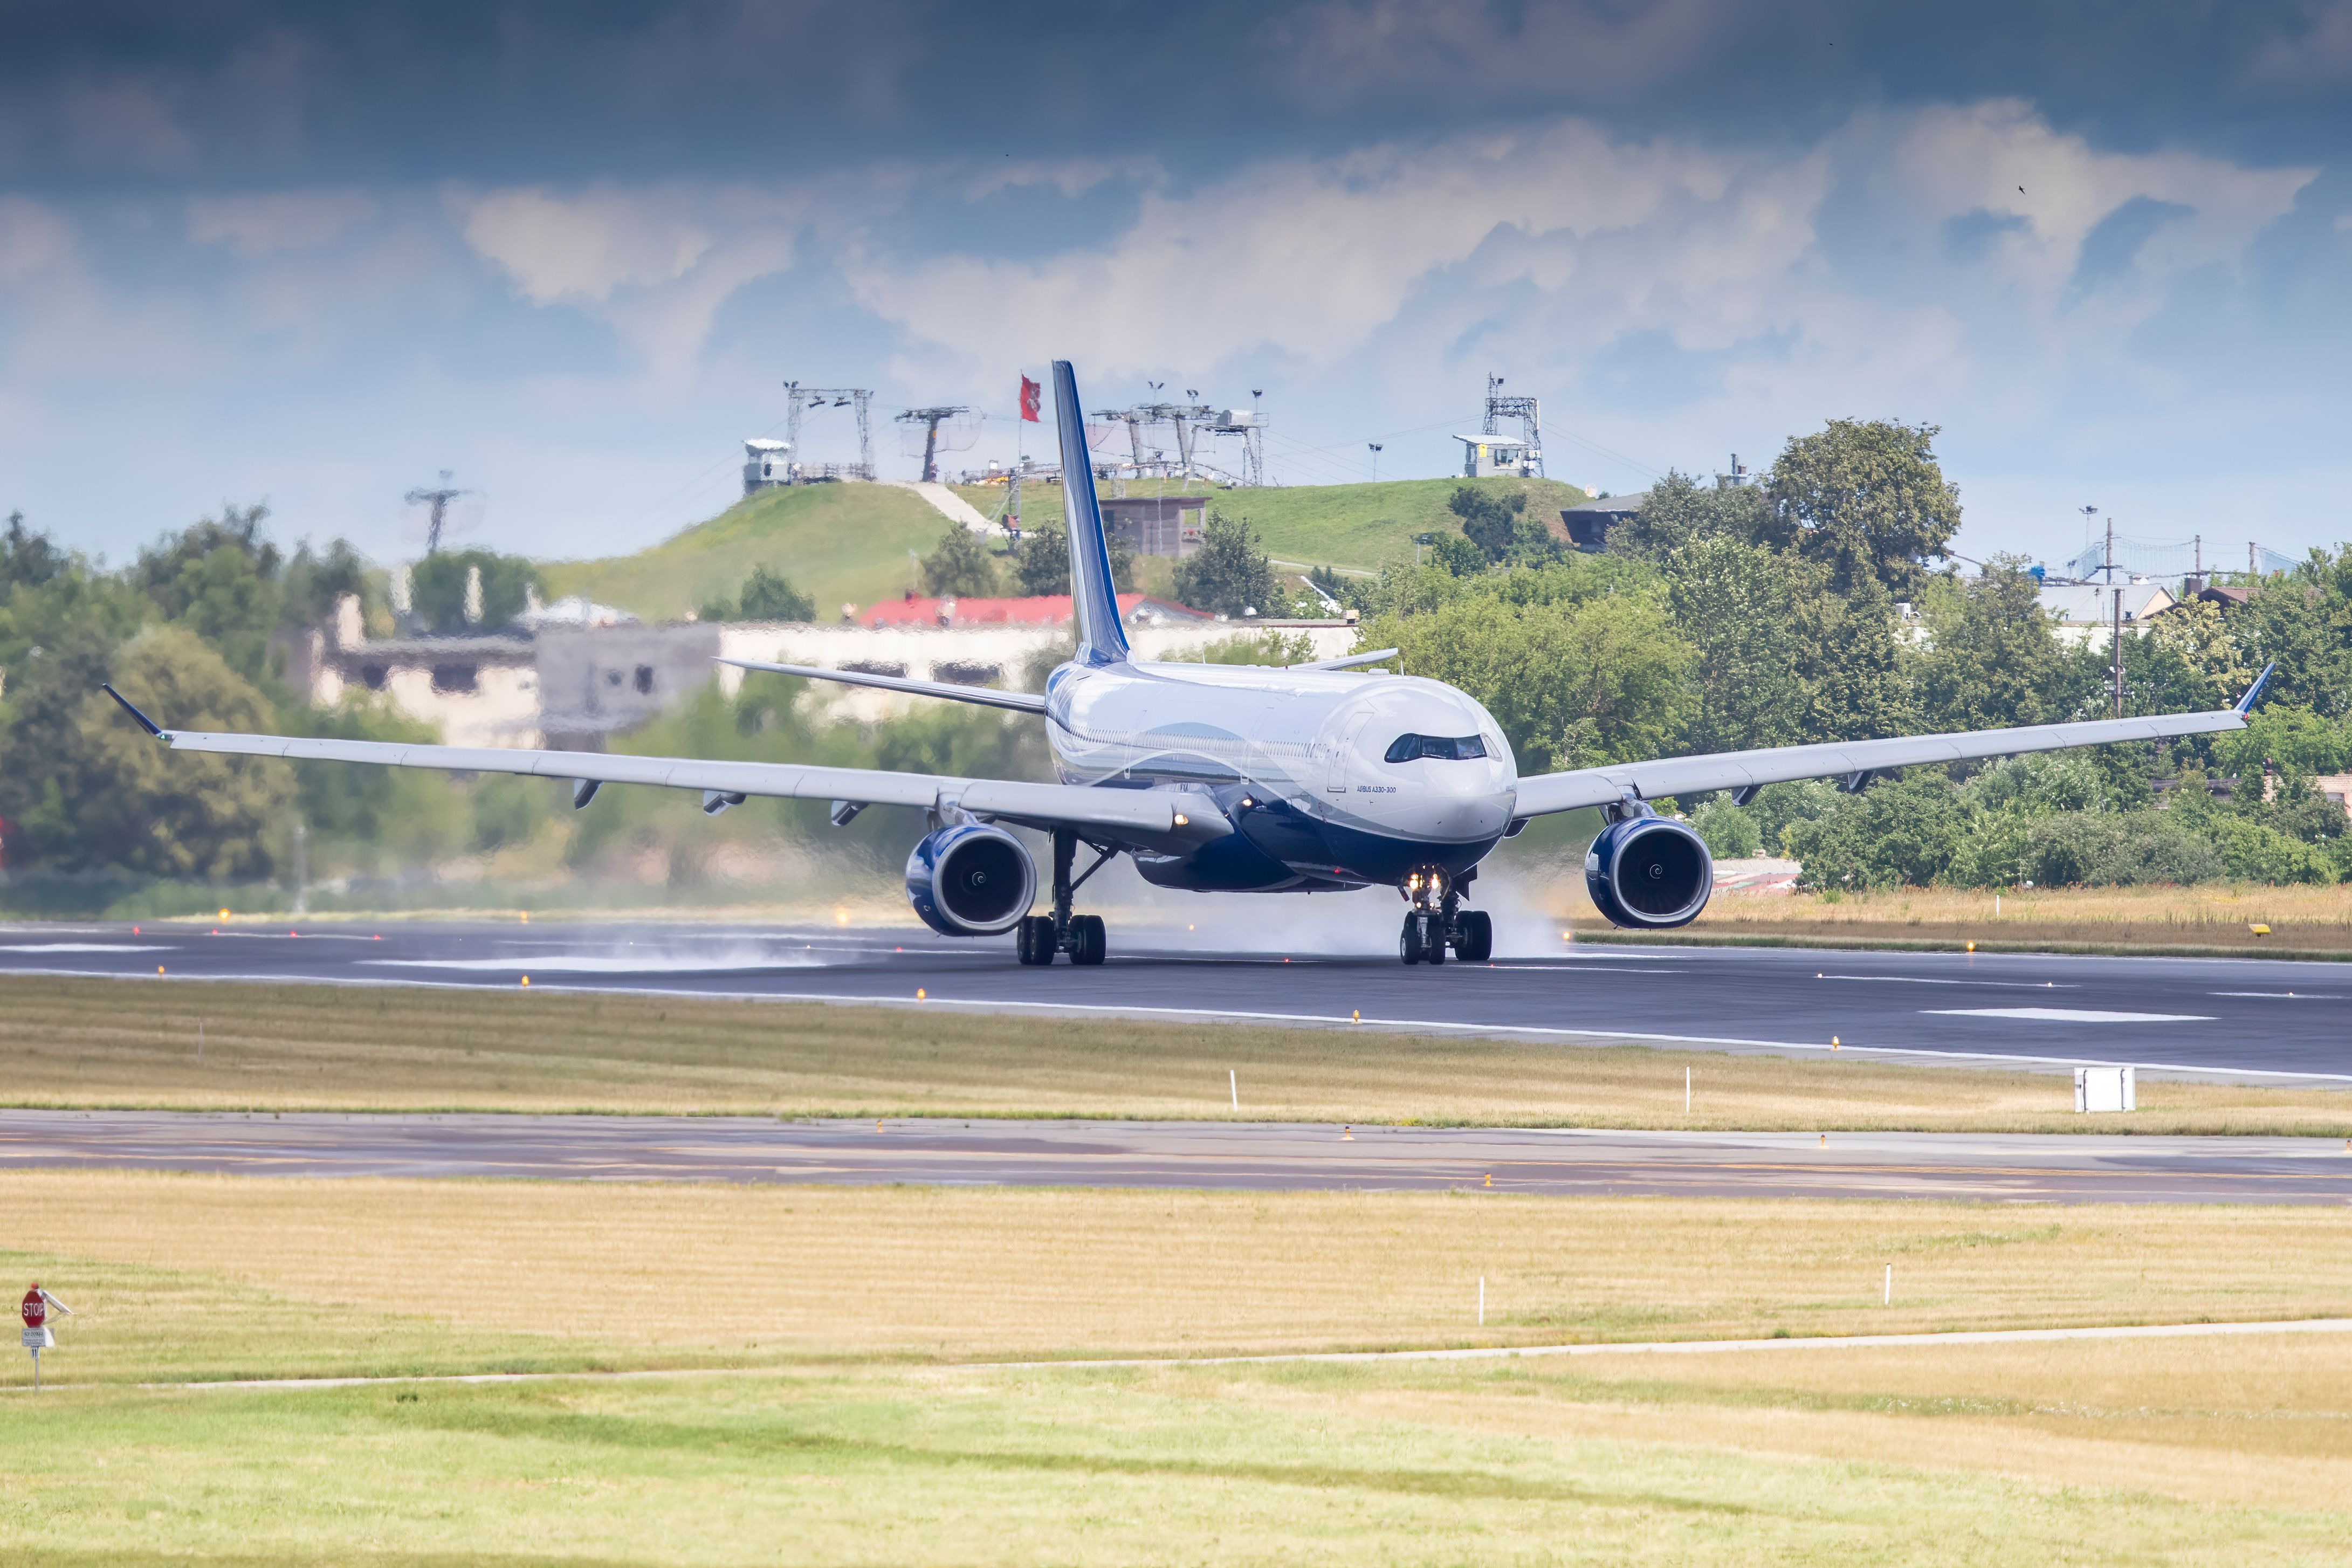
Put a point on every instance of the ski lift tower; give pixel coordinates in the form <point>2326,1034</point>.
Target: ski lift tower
<point>800,399</point>
<point>931,419</point>
<point>439,498</point>
<point>1527,411</point>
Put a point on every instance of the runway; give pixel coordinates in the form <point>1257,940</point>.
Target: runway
<point>2249,1018</point>
<point>1229,1156</point>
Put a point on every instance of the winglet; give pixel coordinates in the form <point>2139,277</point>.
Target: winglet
<point>2245,704</point>
<point>144,723</point>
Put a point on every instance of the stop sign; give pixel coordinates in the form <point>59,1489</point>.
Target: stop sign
<point>36,1308</point>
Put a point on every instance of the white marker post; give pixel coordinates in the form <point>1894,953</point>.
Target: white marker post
<point>1685,1091</point>
<point>38,1335</point>
<point>1233,1083</point>
<point>1886,1298</point>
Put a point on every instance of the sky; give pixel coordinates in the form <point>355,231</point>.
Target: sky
<point>260,250</point>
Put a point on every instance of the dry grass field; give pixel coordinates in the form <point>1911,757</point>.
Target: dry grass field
<point>112,1043</point>
<point>2309,920</point>
<point>849,1441</point>
<point>515,1273</point>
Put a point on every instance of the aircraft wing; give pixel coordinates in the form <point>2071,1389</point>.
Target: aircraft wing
<point>1854,760</point>
<point>1169,821</point>
<point>985,696</point>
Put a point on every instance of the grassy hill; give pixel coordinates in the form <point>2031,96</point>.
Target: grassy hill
<point>848,543</point>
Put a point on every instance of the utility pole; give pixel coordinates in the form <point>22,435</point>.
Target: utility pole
<point>439,497</point>
<point>2115,642</point>
<point>1375,446</point>
<point>930,418</point>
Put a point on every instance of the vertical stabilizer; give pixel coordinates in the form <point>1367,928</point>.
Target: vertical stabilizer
<point>1101,638</point>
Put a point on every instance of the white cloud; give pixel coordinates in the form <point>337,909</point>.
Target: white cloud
<point>583,248</point>
<point>288,220</point>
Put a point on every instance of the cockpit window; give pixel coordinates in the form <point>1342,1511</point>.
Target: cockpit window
<point>1444,748</point>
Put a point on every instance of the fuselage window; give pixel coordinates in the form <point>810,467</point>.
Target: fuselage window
<point>1444,748</point>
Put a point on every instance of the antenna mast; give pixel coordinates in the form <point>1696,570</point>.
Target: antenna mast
<point>1527,411</point>
<point>931,419</point>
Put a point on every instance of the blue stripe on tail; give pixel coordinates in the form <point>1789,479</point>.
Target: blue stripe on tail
<point>1101,638</point>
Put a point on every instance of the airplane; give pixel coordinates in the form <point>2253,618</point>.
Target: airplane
<point>1315,777</point>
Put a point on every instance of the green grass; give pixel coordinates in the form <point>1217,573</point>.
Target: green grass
<point>848,543</point>
<point>1520,1464</point>
<point>837,543</point>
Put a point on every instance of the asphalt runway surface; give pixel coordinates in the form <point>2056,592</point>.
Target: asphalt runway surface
<point>1240,1156</point>
<point>2253,1019</point>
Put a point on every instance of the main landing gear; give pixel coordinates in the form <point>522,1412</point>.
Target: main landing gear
<point>1039,938</point>
<point>1438,921</point>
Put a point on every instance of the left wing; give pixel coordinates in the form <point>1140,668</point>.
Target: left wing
<point>1169,821</point>
<point>1744,772</point>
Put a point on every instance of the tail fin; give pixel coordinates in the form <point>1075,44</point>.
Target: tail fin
<point>1101,638</point>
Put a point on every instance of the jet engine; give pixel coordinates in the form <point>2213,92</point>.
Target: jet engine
<point>1649,871</point>
<point>971,880</point>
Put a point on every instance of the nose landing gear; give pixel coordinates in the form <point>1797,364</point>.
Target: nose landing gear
<point>1437,921</point>
<point>1039,938</point>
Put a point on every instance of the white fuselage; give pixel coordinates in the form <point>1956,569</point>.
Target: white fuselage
<point>1312,745</point>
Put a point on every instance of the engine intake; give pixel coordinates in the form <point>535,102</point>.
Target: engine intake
<point>1650,872</point>
<point>971,880</point>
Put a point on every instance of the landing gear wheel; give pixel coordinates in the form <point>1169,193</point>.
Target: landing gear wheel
<point>1089,943</point>
<point>1473,936</point>
<point>1409,944</point>
<point>1032,940</point>
<point>1432,938</point>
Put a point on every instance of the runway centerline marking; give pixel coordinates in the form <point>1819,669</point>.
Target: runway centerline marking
<point>1927,979</point>
<point>2284,995</point>
<point>2067,1016</point>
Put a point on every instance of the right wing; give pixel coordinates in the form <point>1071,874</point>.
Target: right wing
<point>1856,760</point>
<point>987,697</point>
<point>1167,821</point>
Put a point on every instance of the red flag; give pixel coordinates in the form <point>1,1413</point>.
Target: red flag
<point>1031,396</point>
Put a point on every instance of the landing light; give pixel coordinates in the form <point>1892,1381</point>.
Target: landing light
<point>1182,820</point>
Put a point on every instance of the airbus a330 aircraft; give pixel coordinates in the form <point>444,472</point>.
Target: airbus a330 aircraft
<point>1315,778</point>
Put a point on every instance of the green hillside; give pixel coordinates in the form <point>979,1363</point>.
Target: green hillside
<point>848,543</point>
<point>837,543</point>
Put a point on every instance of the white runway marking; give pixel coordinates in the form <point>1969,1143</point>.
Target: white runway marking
<point>587,964</point>
<point>1926,979</point>
<point>2286,996</point>
<point>1483,1353</point>
<point>2069,1015</point>
<point>84,947</point>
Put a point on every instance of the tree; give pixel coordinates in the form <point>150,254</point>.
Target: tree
<point>109,795</point>
<point>1731,601</point>
<point>1458,553</point>
<point>312,584</point>
<point>1230,574</point>
<point>1602,680</point>
<point>1993,657</point>
<point>1851,666</point>
<point>1042,564</point>
<point>437,590</point>
<point>27,559</point>
<point>770,597</point>
<point>1905,831</point>
<point>1490,522</point>
<point>960,566</point>
<point>1865,498</point>
<point>1678,510</point>
<point>219,578</point>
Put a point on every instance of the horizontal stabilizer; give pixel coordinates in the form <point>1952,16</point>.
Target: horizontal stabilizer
<point>985,696</point>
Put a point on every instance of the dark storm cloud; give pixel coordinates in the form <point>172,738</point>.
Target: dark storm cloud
<point>251,91</point>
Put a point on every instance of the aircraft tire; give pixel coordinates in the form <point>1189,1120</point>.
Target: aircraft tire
<point>1432,938</point>
<point>1089,941</point>
<point>1409,944</point>
<point>1476,943</point>
<point>1032,940</point>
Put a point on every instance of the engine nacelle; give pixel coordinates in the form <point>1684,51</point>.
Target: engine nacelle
<point>971,880</point>
<point>1650,872</point>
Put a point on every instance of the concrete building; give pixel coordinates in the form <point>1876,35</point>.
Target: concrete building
<point>1483,456</point>
<point>766,464</point>
<point>2086,610</point>
<point>1156,525</point>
